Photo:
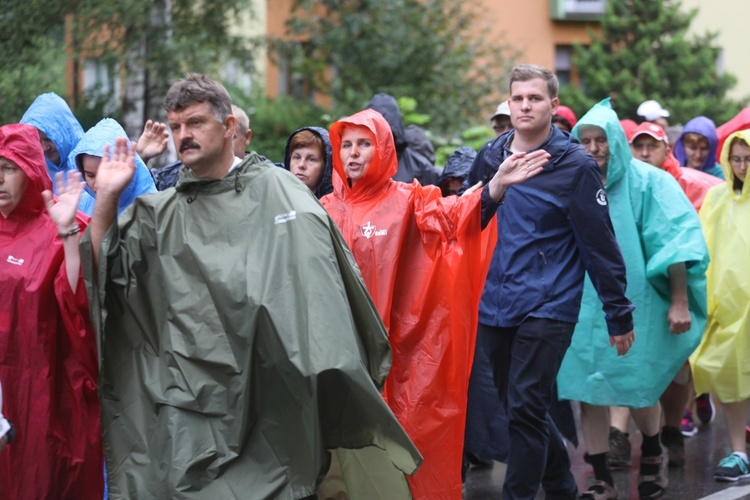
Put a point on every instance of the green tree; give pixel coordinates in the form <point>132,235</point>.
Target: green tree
<point>644,52</point>
<point>155,42</point>
<point>144,44</point>
<point>431,50</point>
<point>32,54</point>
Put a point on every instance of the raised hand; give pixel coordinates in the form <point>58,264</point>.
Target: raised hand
<point>63,210</point>
<point>116,169</point>
<point>153,141</point>
<point>517,168</point>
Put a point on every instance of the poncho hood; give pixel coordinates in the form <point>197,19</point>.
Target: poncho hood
<point>384,164</point>
<point>93,142</point>
<point>705,127</point>
<point>20,144</point>
<point>326,184</point>
<point>459,164</point>
<point>418,141</point>
<point>603,116</point>
<point>727,168</point>
<point>386,105</point>
<point>52,115</point>
<point>741,121</point>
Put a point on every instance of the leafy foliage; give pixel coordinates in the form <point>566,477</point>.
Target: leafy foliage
<point>158,40</point>
<point>643,53</point>
<point>32,54</point>
<point>429,49</point>
<point>273,120</point>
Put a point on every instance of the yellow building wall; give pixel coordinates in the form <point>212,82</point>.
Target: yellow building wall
<point>728,18</point>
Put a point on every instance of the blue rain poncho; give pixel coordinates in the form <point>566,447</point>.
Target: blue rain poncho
<point>702,126</point>
<point>656,226</point>
<point>105,132</point>
<point>721,365</point>
<point>52,115</point>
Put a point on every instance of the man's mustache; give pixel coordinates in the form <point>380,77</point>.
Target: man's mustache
<point>188,144</point>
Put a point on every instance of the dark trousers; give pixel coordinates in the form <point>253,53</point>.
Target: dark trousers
<point>525,361</point>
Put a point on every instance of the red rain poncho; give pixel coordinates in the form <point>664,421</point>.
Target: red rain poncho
<point>48,361</point>
<point>693,182</point>
<point>423,261</point>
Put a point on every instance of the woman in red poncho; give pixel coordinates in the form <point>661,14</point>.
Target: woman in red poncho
<point>48,362</point>
<point>422,257</point>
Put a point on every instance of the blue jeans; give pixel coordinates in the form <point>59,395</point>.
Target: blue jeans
<point>525,361</point>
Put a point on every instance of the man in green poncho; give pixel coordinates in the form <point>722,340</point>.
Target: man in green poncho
<point>238,343</point>
<point>665,256</point>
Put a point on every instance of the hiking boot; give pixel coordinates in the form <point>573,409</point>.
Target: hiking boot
<point>705,409</point>
<point>619,449</point>
<point>674,441</point>
<point>599,490</point>
<point>688,425</point>
<point>731,468</point>
<point>653,485</point>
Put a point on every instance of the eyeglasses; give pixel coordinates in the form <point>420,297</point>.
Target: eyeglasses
<point>502,128</point>
<point>737,161</point>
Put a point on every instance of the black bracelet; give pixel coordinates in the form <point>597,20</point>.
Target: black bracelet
<point>71,232</point>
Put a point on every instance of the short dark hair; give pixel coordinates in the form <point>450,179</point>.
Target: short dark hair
<point>196,88</point>
<point>526,72</point>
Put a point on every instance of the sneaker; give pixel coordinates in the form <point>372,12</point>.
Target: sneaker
<point>619,449</point>
<point>705,409</point>
<point>674,441</point>
<point>688,426</point>
<point>731,468</point>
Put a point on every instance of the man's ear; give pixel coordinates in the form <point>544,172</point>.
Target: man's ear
<point>230,122</point>
<point>555,104</point>
<point>248,136</point>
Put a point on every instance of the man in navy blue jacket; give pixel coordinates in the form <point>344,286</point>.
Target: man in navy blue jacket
<point>551,229</point>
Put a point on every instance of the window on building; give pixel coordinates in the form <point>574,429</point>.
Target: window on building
<point>101,84</point>
<point>292,82</point>
<point>564,63</point>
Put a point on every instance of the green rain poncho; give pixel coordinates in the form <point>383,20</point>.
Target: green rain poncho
<point>721,365</point>
<point>238,343</point>
<point>656,226</point>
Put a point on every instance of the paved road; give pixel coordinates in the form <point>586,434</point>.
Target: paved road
<point>692,482</point>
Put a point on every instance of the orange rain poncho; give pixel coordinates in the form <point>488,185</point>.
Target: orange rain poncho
<point>422,259</point>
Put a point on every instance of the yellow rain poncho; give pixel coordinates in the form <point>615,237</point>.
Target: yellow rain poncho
<point>721,364</point>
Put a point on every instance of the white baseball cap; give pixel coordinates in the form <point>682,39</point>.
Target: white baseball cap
<point>502,109</point>
<point>651,110</point>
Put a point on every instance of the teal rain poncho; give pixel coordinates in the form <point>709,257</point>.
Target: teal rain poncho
<point>92,143</point>
<point>52,115</point>
<point>656,226</point>
<point>238,343</point>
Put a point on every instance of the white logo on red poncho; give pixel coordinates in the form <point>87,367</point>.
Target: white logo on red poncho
<point>368,231</point>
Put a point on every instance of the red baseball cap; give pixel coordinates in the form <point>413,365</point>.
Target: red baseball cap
<point>651,129</point>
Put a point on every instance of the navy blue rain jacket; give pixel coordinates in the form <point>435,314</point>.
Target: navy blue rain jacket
<point>551,229</point>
